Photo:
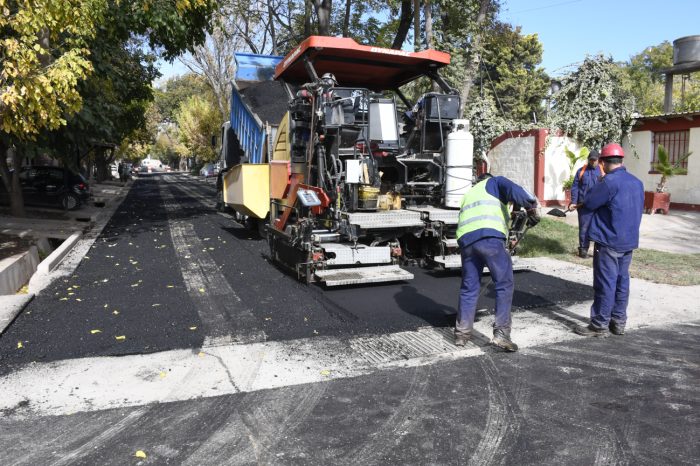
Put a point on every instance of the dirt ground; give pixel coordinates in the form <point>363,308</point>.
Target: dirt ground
<point>11,245</point>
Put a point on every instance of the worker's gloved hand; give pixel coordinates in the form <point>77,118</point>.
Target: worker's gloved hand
<point>533,217</point>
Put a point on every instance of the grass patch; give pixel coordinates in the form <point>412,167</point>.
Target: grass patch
<point>559,240</point>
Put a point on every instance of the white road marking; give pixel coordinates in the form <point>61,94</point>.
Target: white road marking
<point>110,382</point>
<point>218,305</point>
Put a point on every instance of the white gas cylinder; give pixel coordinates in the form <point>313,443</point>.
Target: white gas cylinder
<point>459,157</point>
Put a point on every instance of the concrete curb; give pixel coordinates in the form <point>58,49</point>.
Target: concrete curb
<point>16,270</point>
<point>74,253</point>
<point>10,307</point>
<point>50,263</point>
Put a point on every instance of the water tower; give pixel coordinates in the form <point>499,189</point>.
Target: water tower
<point>686,59</point>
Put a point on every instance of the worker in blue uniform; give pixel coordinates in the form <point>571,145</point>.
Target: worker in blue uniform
<point>585,178</point>
<point>481,234</point>
<point>617,203</point>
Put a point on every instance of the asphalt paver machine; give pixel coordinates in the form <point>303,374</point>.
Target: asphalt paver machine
<point>359,187</point>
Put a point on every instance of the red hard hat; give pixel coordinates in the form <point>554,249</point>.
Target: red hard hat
<point>612,150</point>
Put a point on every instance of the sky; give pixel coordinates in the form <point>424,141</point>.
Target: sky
<point>571,29</point>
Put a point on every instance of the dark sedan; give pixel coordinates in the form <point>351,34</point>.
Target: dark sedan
<point>50,186</point>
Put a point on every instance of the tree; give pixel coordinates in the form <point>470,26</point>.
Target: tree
<point>323,10</point>
<point>198,120</point>
<point>44,57</point>
<point>48,49</point>
<point>646,82</point>
<point>511,61</point>
<point>214,59</point>
<point>171,94</point>
<point>592,106</point>
<point>115,99</point>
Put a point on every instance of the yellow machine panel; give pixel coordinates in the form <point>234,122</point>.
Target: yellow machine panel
<point>247,189</point>
<point>280,146</point>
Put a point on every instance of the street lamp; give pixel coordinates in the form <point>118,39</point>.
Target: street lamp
<point>554,87</point>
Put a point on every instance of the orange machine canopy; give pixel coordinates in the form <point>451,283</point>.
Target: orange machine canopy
<point>356,65</point>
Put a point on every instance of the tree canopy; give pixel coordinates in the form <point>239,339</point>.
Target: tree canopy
<point>646,82</point>
<point>593,106</point>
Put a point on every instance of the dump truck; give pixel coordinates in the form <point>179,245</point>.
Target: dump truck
<point>354,182</point>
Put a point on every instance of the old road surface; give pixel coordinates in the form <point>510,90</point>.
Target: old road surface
<point>176,338</point>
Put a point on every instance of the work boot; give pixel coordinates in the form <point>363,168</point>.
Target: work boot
<point>583,253</point>
<point>501,339</point>
<point>590,331</point>
<point>616,329</point>
<point>462,338</point>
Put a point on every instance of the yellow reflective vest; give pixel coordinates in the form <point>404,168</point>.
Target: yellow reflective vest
<point>479,210</point>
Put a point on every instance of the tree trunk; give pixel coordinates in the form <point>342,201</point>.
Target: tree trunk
<point>323,14</point>
<point>427,12</point>
<point>271,27</point>
<point>404,25</point>
<point>346,19</point>
<point>11,182</point>
<point>416,25</point>
<point>473,64</point>
<point>101,165</point>
<point>307,18</point>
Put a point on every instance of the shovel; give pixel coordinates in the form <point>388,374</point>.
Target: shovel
<point>558,212</point>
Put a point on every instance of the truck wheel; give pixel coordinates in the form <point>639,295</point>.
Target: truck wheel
<point>70,201</point>
<point>262,230</point>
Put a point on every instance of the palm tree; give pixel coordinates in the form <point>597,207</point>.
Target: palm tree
<point>574,158</point>
<point>667,169</point>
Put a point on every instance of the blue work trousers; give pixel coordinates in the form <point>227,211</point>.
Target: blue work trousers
<point>611,285</point>
<point>584,223</point>
<point>492,253</point>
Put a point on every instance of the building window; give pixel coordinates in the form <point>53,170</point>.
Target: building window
<point>675,143</point>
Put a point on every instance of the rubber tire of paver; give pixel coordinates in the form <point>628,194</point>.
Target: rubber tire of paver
<point>70,201</point>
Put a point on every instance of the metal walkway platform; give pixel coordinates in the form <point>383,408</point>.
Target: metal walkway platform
<point>436,214</point>
<point>360,275</point>
<point>385,219</point>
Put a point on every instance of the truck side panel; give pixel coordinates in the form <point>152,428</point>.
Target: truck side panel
<point>248,128</point>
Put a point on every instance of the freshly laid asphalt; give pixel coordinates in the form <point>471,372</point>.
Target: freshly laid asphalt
<point>128,296</point>
<point>621,400</point>
<point>628,400</point>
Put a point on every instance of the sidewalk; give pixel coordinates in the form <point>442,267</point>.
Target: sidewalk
<point>43,225</point>
<point>675,232</point>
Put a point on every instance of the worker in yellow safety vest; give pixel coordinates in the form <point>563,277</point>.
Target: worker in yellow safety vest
<point>481,234</point>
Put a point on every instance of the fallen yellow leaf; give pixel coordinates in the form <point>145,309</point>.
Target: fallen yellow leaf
<point>201,290</point>
<point>162,375</point>
<point>325,372</point>
<point>170,286</point>
<point>193,328</point>
<point>95,331</point>
<point>20,345</point>
<point>115,312</point>
<point>121,337</point>
<point>201,354</point>
<point>140,454</point>
<point>78,299</point>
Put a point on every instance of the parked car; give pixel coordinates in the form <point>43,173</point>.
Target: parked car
<point>51,186</point>
<point>209,170</point>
